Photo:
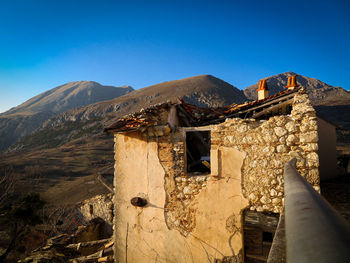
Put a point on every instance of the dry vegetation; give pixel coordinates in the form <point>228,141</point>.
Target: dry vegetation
<point>63,168</point>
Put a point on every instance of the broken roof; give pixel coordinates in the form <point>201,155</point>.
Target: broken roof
<point>196,116</point>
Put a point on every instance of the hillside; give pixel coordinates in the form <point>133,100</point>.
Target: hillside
<point>203,90</point>
<point>30,115</point>
<point>331,103</point>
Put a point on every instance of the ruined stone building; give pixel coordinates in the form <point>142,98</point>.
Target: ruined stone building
<point>206,185</point>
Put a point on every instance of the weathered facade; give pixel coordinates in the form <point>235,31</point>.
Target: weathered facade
<point>171,206</point>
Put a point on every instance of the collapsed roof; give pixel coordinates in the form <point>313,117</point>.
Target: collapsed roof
<point>193,116</point>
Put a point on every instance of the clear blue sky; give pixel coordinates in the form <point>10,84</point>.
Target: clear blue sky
<point>46,43</point>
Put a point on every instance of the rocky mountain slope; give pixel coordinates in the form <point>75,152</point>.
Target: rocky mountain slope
<point>319,92</point>
<point>331,103</point>
<point>203,90</point>
<point>30,115</point>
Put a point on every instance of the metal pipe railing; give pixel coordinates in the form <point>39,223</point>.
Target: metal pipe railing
<point>315,232</point>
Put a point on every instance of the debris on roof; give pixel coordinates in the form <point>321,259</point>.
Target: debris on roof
<point>196,116</point>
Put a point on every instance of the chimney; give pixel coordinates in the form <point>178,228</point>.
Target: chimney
<point>292,83</point>
<point>263,91</point>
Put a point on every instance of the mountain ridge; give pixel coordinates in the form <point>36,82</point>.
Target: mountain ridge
<point>202,90</point>
<point>29,116</point>
<point>65,96</point>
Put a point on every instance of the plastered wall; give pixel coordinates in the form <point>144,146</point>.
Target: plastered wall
<point>145,235</point>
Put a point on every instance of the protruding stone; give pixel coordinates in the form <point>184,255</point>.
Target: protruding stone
<point>180,187</point>
<point>178,179</point>
<point>263,163</point>
<point>305,127</point>
<point>281,148</point>
<point>276,201</point>
<point>273,192</point>
<point>312,159</point>
<point>187,190</point>
<point>317,188</point>
<point>265,200</point>
<point>242,128</point>
<point>310,147</point>
<point>230,139</point>
<point>309,137</point>
<point>300,162</point>
<point>270,138</point>
<point>253,164</point>
<point>180,196</point>
<point>248,139</point>
<point>276,210</point>
<point>291,139</point>
<point>291,127</point>
<point>281,121</point>
<point>269,150</point>
<point>252,197</point>
<point>200,179</point>
<point>279,131</point>
<point>259,209</point>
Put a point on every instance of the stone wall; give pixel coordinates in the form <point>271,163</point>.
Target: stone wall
<point>98,206</point>
<point>268,145</point>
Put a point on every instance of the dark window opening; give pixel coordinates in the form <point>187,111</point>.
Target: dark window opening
<point>259,230</point>
<point>198,152</point>
<point>91,208</point>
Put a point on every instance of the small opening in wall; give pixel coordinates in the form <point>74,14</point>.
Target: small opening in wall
<point>91,209</point>
<point>198,152</point>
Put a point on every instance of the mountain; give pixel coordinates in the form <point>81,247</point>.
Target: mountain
<point>331,103</point>
<point>30,115</point>
<point>68,96</point>
<point>203,90</point>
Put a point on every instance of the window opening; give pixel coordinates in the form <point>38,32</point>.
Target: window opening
<point>91,209</point>
<point>198,152</point>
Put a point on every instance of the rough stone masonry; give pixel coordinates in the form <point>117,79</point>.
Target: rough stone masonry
<point>267,144</point>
